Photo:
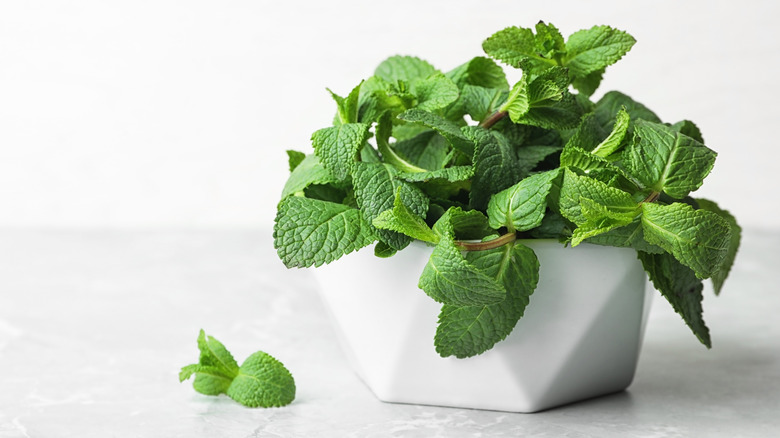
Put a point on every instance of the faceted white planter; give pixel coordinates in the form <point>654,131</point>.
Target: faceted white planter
<point>580,336</point>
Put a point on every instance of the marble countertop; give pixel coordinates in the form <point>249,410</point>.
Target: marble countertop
<point>94,326</point>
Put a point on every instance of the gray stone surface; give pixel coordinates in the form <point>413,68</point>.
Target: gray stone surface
<point>94,326</point>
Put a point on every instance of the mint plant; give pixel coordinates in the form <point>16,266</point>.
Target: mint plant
<point>261,381</point>
<point>471,166</point>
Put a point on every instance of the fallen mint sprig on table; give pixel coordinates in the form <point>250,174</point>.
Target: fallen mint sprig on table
<point>261,381</point>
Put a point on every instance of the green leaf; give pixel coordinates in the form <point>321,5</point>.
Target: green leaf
<point>404,68</point>
<point>629,236</point>
<point>481,72</point>
<point>215,369</point>
<point>529,157</point>
<point>495,166</point>
<point>609,106</point>
<point>310,232</point>
<point>719,276</point>
<point>383,131</point>
<point>435,92</point>
<point>262,381</point>
<point>294,158</point>
<point>467,225</point>
<point>376,186</point>
<point>686,127</point>
<point>522,206</point>
<point>402,219</point>
<point>666,161</point>
<point>573,156</point>
<point>681,288</point>
<point>480,102</point>
<point>549,41</point>
<point>348,107</point>
<point>448,129</point>
<point>518,103</point>
<point>308,172</point>
<point>588,84</point>
<point>591,50</point>
<point>427,150</point>
<point>449,279</point>
<point>600,219</point>
<point>699,239</point>
<point>514,46</point>
<point>575,187</point>
<point>383,250</point>
<point>451,174</point>
<point>614,141</point>
<point>338,147</point>
<point>468,331</point>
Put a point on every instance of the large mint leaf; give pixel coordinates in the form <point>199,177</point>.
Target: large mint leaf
<point>448,129</point>
<point>699,239</point>
<point>522,206</point>
<point>403,220</point>
<point>435,92</point>
<point>376,186</point>
<point>495,166</point>
<point>667,161</point>
<point>404,68</point>
<point>427,150</point>
<point>338,147</point>
<point>384,130</point>
<point>543,101</point>
<point>679,285</point>
<point>451,174</point>
<point>449,279</point>
<point>481,72</point>
<point>591,50</point>
<point>310,232</point>
<point>468,331</point>
<point>574,187</point>
<point>719,276</point>
<point>308,172</point>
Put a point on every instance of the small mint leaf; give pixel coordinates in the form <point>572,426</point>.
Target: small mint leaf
<point>403,220</point>
<point>435,92</point>
<point>575,187</point>
<point>591,50</point>
<point>448,129</point>
<point>308,172</point>
<point>294,158</point>
<point>262,381</point>
<point>522,206</point>
<point>495,166</point>
<point>614,141</point>
<point>600,219</point>
<point>404,68</point>
<point>514,46</point>
<point>719,276</point>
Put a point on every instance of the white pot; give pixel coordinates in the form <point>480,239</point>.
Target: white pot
<point>580,336</point>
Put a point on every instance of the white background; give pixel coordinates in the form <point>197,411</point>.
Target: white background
<point>177,114</point>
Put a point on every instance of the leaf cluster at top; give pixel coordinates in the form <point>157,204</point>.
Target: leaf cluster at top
<point>465,162</point>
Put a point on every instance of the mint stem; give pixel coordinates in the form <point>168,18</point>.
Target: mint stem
<point>652,197</point>
<point>490,244</point>
<point>495,117</point>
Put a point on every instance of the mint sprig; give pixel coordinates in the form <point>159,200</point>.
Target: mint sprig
<point>260,381</point>
<point>470,164</point>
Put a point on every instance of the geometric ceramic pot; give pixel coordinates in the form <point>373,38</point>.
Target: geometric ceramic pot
<point>579,338</point>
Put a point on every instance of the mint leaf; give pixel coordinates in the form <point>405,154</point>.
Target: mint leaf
<point>514,46</point>
<point>600,219</point>
<point>549,41</point>
<point>573,156</point>
<point>480,102</point>
<point>427,150</point>
<point>448,129</point>
<point>518,103</point>
<point>666,161</point>
<point>588,84</point>
<point>529,157</point>
<point>309,171</point>
<point>468,225</point>
<point>679,285</point>
<point>403,220</point>
<point>543,101</point>
<point>719,276</point>
<point>629,236</point>
<point>468,331</point>
<point>338,147</point>
<point>383,250</point>
<point>609,106</point>
<point>495,166</point>
<point>348,107</point>
<point>376,186</point>
<point>522,206</point>
<point>404,68</point>
<point>699,239</point>
<point>294,158</point>
<point>591,50</point>
<point>451,174</point>
<point>614,141</point>
<point>449,279</point>
<point>435,92</point>
<point>262,381</point>
<point>575,187</point>
<point>383,132</point>
<point>481,72</point>
<point>310,232</point>
<point>686,127</point>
